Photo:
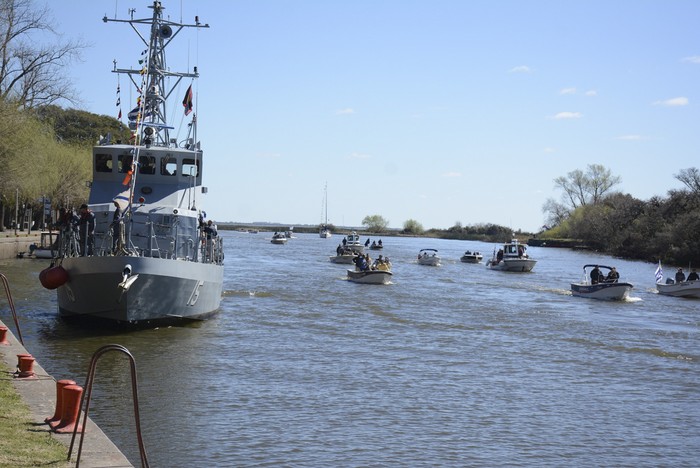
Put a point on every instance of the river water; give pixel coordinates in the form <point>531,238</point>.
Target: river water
<point>447,366</point>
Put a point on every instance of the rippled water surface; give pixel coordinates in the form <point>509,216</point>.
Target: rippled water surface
<point>447,366</point>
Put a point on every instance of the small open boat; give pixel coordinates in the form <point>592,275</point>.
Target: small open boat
<point>47,247</point>
<point>279,238</point>
<point>596,285</point>
<point>428,257</point>
<point>370,276</point>
<point>471,257</point>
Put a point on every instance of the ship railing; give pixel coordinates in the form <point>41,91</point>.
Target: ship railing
<point>212,250</point>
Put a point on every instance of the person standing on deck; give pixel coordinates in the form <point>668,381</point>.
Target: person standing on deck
<point>87,230</point>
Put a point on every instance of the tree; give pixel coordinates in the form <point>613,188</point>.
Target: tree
<point>580,189</point>
<point>375,223</point>
<point>691,178</point>
<point>412,226</point>
<point>31,73</point>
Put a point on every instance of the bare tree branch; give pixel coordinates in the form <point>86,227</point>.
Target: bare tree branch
<point>31,73</point>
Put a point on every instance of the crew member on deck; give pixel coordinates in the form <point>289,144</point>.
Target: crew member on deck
<point>693,276</point>
<point>117,228</point>
<point>87,230</point>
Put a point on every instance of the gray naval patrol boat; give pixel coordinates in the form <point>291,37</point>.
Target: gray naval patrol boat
<point>155,259</point>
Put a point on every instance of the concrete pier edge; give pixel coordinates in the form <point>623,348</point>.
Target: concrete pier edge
<point>40,395</point>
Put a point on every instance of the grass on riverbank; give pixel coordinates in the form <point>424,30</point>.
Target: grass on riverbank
<point>22,442</point>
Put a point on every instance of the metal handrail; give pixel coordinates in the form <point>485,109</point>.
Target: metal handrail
<point>88,392</point>
<point>6,284</point>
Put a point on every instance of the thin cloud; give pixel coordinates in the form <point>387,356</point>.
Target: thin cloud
<point>268,155</point>
<point>346,111</point>
<point>631,137</point>
<point>520,69</point>
<point>567,115</point>
<point>591,92</point>
<point>567,91</point>
<point>452,174</point>
<point>693,59</point>
<point>673,102</point>
<point>359,156</point>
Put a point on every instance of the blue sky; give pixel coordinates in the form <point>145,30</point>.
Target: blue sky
<point>441,111</point>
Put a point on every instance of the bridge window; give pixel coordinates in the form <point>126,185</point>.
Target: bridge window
<point>103,162</point>
<point>190,167</point>
<point>125,163</point>
<point>168,166</point>
<point>147,165</point>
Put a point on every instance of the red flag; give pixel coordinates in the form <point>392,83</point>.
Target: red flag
<point>187,101</point>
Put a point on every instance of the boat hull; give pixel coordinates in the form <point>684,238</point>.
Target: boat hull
<point>370,276</point>
<point>604,291</point>
<point>44,253</point>
<point>690,289</point>
<point>164,291</point>
<point>512,264</point>
<point>344,259</point>
<point>471,258</point>
<point>429,261</point>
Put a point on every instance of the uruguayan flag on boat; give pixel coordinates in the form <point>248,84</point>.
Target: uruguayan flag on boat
<point>659,273</point>
<point>123,199</point>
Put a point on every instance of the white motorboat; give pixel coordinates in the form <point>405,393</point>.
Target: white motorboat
<point>370,276</point>
<point>429,257</point>
<point>471,257</point>
<point>689,289</point>
<point>352,242</point>
<point>279,238</point>
<point>680,287</point>
<point>512,256</point>
<point>47,246</point>
<point>158,261</point>
<point>596,285</point>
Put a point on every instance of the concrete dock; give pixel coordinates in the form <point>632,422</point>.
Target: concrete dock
<point>40,395</point>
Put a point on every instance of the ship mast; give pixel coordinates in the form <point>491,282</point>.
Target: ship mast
<point>152,127</point>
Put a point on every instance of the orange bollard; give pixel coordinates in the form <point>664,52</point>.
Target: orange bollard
<point>70,415</point>
<point>20,356</point>
<point>3,335</point>
<point>26,367</point>
<point>56,418</point>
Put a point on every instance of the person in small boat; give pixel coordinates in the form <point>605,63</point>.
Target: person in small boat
<point>693,276</point>
<point>521,251</point>
<point>596,275</point>
<point>338,250</point>
<point>86,226</point>
<point>367,242</point>
<point>499,256</point>
<point>374,244</point>
<point>680,276</point>
<point>361,263</point>
<point>379,243</point>
<point>613,276</point>
<point>378,263</point>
